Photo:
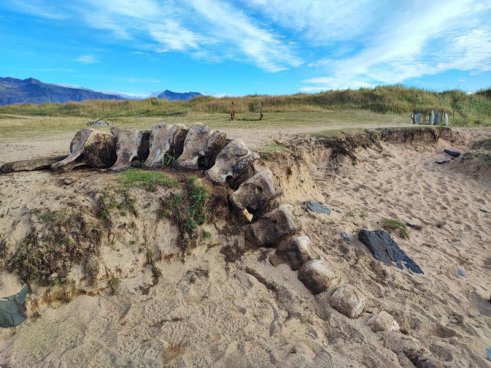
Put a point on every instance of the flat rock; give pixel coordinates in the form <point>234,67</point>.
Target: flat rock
<point>442,162</point>
<point>386,250</point>
<point>194,147</point>
<point>451,152</point>
<point>348,300</point>
<point>317,207</point>
<point>255,192</point>
<point>12,309</point>
<point>273,227</point>
<point>382,321</point>
<point>317,276</point>
<point>295,251</point>
<point>232,163</point>
<point>130,145</point>
<point>160,140</point>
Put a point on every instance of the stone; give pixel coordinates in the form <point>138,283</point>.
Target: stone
<point>348,300</point>
<point>160,137</point>
<point>12,309</point>
<point>30,165</point>
<point>130,145</point>
<point>452,153</point>
<point>89,147</point>
<point>194,147</point>
<point>295,251</point>
<point>442,162</point>
<point>460,272</point>
<point>345,236</point>
<point>256,192</point>
<point>317,276</point>
<point>382,321</point>
<point>386,250</point>
<point>273,227</point>
<point>317,207</point>
<point>232,164</point>
<point>68,181</point>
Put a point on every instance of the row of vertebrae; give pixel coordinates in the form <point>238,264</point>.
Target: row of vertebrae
<point>225,162</point>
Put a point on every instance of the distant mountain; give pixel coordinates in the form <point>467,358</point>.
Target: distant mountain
<point>176,96</point>
<point>30,90</point>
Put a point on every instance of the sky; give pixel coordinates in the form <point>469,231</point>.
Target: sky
<point>218,47</point>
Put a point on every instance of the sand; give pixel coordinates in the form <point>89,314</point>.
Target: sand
<point>224,306</point>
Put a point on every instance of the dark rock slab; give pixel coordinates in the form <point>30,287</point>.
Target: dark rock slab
<point>386,250</point>
<point>317,207</point>
<point>12,309</point>
<point>441,162</point>
<point>452,153</point>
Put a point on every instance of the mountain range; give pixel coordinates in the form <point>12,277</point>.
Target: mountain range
<point>30,90</point>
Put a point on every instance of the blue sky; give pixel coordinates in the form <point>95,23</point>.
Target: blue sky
<point>243,47</point>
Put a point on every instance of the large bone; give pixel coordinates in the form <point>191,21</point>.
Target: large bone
<point>231,163</point>
<point>255,192</point>
<point>194,147</point>
<point>177,137</point>
<point>273,227</point>
<point>216,142</point>
<point>160,140</point>
<point>89,147</point>
<point>30,165</point>
<point>130,145</point>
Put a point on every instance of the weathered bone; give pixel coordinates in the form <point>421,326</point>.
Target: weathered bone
<point>89,147</point>
<point>160,137</point>
<point>231,162</point>
<point>295,251</point>
<point>30,165</point>
<point>130,145</point>
<point>318,276</point>
<point>216,142</point>
<point>177,136</point>
<point>76,148</point>
<point>255,192</point>
<point>194,147</point>
<point>273,227</point>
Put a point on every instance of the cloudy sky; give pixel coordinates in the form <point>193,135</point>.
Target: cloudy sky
<point>218,47</point>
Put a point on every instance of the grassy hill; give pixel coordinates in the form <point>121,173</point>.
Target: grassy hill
<point>465,109</point>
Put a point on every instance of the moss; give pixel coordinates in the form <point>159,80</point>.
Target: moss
<point>394,224</point>
<point>114,283</point>
<point>145,179</point>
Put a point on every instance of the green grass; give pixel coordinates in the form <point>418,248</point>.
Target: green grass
<point>396,225</point>
<point>464,109</point>
<point>272,148</point>
<point>145,179</point>
<point>187,209</point>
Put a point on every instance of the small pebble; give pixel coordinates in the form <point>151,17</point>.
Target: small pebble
<point>345,236</point>
<point>460,272</point>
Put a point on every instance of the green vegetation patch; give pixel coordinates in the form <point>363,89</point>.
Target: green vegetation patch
<point>396,225</point>
<point>120,200</point>
<point>187,209</point>
<point>145,179</point>
<point>50,250</point>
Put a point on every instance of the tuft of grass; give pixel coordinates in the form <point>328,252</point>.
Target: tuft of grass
<point>187,209</point>
<point>272,148</point>
<point>206,235</point>
<point>105,204</point>
<point>145,179</point>
<point>49,216</point>
<point>394,224</point>
<point>114,283</point>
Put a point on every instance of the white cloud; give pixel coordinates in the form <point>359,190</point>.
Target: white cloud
<point>87,59</point>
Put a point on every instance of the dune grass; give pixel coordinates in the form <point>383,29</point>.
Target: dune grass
<point>464,109</point>
<point>396,225</point>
